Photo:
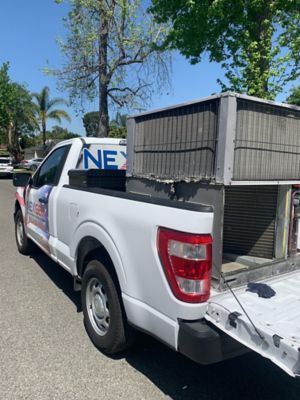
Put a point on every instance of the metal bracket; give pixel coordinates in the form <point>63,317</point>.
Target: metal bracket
<point>232,317</point>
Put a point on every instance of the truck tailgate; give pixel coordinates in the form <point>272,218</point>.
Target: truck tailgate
<point>272,327</point>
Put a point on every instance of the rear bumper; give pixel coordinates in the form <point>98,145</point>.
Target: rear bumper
<point>203,344</point>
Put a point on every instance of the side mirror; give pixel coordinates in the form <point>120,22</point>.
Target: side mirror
<point>21,178</point>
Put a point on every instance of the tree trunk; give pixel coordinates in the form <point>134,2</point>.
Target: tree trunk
<point>9,133</point>
<point>103,81</point>
<point>44,136</point>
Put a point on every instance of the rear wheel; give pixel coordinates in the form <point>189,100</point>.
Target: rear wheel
<point>24,244</point>
<point>104,317</point>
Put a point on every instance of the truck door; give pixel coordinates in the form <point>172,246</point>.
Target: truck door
<point>39,194</point>
<point>269,326</point>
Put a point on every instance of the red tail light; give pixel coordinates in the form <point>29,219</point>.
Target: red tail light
<point>187,260</point>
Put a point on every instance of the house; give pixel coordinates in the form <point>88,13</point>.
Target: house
<point>39,151</point>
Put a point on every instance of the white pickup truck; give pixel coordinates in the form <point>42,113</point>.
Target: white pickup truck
<point>144,263</point>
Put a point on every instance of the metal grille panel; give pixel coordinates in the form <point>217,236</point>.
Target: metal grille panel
<point>249,220</point>
<point>178,143</point>
<point>267,143</point>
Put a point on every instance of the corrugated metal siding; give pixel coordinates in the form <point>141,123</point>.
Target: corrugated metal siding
<point>249,220</point>
<point>177,143</point>
<point>267,143</point>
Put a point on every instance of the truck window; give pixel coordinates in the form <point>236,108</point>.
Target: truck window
<point>51,169</point>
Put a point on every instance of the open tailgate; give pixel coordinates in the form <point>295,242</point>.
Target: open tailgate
<point>275,329</point>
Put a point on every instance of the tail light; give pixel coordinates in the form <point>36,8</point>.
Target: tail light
<point>187,261</point>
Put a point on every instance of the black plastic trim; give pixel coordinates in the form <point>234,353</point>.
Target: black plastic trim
<point>204,344</point>
<point>146,199</point>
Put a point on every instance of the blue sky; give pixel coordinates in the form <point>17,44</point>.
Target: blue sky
<point>28,33</point>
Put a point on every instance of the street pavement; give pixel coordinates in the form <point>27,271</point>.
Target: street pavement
<point>45,352</point>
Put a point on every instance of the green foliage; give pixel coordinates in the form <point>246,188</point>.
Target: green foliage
<point>44,110</point>
<point>257,42</point>
<point>117,127</point>
<point>5,98</point>
<point>27,141</point>
<point>113,52</point>
<point>4,151</point>
<point>117,132</point>
<point>294,97</point>
<point>58,132</point>
<point>16,109</point>
<point>91,123</point>
<point>119,120</point>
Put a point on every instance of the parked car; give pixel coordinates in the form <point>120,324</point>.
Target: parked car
<point>6,167</point>
<point>32,164</point>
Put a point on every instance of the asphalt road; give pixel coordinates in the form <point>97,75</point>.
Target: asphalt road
<point>45,352</point>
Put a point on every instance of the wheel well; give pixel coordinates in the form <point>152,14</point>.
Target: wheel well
<point>90,249</point>
<point>17,207</point>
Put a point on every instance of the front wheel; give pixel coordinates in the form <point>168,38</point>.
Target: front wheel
<point>23,243</point>
<point>104,317</point>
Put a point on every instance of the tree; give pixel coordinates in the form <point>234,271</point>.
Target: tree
<point>117,127</point>
<point>117,132</point>
<point>27,141</point>
<point>45,110</point>
<point>256,41</point>
<point>58,132</point>
<point>119,120</point>
<point>113,53</point>
<point>91,123</point>
<point>16,109</point>
<point>5,102</point>
<point>294,97</point>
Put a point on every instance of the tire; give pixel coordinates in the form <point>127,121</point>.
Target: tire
<point>24,244</point>
<point>104,316</point>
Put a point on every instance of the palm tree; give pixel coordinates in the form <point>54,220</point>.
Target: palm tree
<point>44,110</point>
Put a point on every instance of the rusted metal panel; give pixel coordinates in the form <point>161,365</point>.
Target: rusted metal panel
<point>177,144</point>
<point>227,139</point>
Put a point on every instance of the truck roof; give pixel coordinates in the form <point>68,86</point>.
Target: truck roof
<point>93,140</point>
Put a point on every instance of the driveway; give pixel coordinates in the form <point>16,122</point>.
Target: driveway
<point>45,352</point>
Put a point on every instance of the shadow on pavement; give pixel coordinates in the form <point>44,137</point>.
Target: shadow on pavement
<point>249,377</point>
<point>60,277</point>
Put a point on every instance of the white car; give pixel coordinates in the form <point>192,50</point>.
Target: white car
<point>6,167</point>
<point>32,164</point>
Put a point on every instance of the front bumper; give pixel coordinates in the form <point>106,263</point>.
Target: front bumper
<point>6,172</point>
<point>204,344</point>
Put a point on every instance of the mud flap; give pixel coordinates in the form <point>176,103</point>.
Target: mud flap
<point>270,327</point>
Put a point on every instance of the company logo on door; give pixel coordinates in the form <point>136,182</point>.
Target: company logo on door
<point>38,212</point>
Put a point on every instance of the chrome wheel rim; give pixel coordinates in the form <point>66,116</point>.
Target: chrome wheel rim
<point>97,306</point>
<point>20,232</point>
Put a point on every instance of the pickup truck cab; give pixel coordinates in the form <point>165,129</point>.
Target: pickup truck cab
<point>144,263</point>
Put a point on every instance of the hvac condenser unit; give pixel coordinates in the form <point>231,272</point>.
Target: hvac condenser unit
<point>237,153</point>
